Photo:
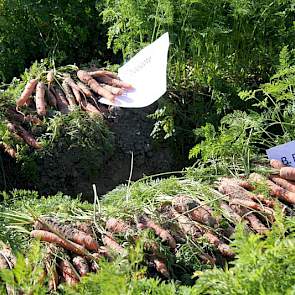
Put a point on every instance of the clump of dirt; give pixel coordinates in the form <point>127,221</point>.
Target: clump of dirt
<point>71,172</point>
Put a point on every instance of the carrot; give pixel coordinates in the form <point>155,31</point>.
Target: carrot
<point>40,99</point>
<point>117,226</point>
<point>8,149</point>
<point>229,213</point>
<point>252,205</point>
<point>276,164</point>
<point>72,83</point>
<point>50,77</point>
<point>145,222</point>
<point>201,213</point>
<point>68,273</point>
<point>85,89</point>
<point>287,173</point>
<point>115,90</point>
<point>69,95</point>
<point>92,110</point>
<point>24,134</point>
<point>246,185</point>
<point>94,85</point>
<point>161,267</point>
<point>100,73</point>
<point>114,82</point>
<point>50,237</point>
<point>80,263</point>
<point>275,190</point>
<point>113,245</point>
<point>223,248</point>
<point>289,185</point>
<point>68,232</point>
<point>30,87</point>
<point>256,224</point>
<point>17,116</point>
<point>61,101</point>
<point>51,97</point>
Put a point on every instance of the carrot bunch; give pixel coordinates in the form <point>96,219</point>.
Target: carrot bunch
<point>57,90</point>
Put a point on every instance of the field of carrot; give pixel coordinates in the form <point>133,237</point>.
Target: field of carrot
<point>177,198</point>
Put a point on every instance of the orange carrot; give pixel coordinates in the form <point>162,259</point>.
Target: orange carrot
<point>287,173</point>
<point>30,87</point>
<point>92,110</point>
<point>256,224</point>
<point>85,89</point>
<point>62,103</point>
<point>68,273</point>
<point>161,267</point>
<point>69,94</point>
<point>40,99</point>
<point>24,134</point>
<point>223,248</point>
<point>114,82</point>
<point>275,190</point>
<point>289,185</point>
<point>115,90</point>
<point>276,164</point>
<point>113,245</point>
<point>229,213</point>
<point>164,234</point>
<point>94,85</point>
<point>252,205</point>
<point>100,73</point>
<point>8,149</point>
<point>70,233</point>
<point>246,185</point>
<point>117,226</point>
<point>81,265</point>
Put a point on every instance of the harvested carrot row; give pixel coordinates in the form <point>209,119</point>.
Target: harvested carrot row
<point>24,134</point>
<point>145,222</point>
<point>287,173</point>
<point>94,85</point>
<point>287,184</point>
<point>40,99</point>
<point>68,232</point>
<point>81,265</point>
<point>29,89</point>
<point>68,273</point>
<point>50,237</point>
<point>276,164</point>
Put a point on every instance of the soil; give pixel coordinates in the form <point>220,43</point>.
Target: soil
<point>131,128</point>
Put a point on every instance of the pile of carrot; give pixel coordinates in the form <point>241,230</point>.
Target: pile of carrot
<point>55,91</point>
<point>180,220</point>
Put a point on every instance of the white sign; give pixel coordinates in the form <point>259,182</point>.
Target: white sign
<point>146,72</point>
<point>284,152</point>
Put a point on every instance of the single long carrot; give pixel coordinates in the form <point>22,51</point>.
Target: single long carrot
<point>24,134</point>
<point>69,95</point>
<point>29,89</point>
<point>287,184</point>
<point>113,245</point>
<point>80,263</point>
<point>159,231</point>
<point>94,85</point>
<point>114,82</point>
<point>61,101</point>
<point>276,164</point>
<point>85,89</point>
<point>50,237</point>
<point>287,173</point>
<point>70,233</point>
<point>40,99</point>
